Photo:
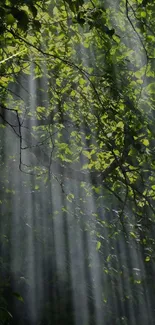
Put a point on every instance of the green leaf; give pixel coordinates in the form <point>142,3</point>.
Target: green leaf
<point>41,109</point>
<point>147,259</point>
<point>87,154</point>
<point>137,281</point>
<point>55,11</point>
<point>96,189</point>
<point>82,81</point>
<point>143,14</point>
<point>70,197</point>
<point>132,234</point>
<point>98,245</point>
<point>10,19</point>
<point>120,125</point>
<point>18,296</point>
<point>145,142</point>
<point>108,258</point>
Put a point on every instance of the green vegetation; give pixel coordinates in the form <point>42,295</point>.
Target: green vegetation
<point>77,84</point>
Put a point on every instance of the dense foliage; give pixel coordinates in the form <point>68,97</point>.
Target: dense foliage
<point>77,90</point>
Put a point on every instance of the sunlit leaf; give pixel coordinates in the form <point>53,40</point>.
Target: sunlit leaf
<point>132,234</point>
<point>143,14</point>
<point>98,245</point>
<point>70,197</point>
<point>145,142</point>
